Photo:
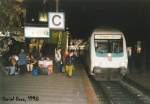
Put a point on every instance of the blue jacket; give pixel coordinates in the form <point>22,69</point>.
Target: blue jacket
<point>22,59</point>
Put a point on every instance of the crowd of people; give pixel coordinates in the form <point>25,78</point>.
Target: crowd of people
<point>37,63</point>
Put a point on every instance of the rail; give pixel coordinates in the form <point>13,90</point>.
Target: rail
<point>119,92</point>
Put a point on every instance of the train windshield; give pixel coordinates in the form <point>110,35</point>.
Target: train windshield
<point>105,46</point>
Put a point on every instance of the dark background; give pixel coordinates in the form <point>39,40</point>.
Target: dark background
<point>130,16</point>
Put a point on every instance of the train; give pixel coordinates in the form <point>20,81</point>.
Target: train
<point>105,54</point>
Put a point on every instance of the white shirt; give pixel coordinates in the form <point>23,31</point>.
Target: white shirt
<point>57,55</point>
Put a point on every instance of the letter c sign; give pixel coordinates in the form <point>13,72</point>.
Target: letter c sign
<point>56,20</point>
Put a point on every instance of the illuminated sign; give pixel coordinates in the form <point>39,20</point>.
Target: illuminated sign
<point>99,36</point>
<point>36,32</point>
<point>56,20</point>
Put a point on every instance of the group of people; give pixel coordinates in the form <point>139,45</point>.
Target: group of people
<point>22,63</point>
<point>66,62</point>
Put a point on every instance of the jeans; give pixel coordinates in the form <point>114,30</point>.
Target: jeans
<point>22,68</point>
<point>12,70</point>
<point>58,66</point>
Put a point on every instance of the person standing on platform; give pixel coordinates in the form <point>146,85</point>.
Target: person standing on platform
<point>58,59</point>
<point>22,62</point>
<point>31,62</point>
<point>69,65</point>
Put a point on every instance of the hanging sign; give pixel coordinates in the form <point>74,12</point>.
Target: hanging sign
<point>56,20</point>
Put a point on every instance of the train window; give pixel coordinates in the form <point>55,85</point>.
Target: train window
<point>104,46</point>
<point>116,46</point>
<point>101,46</point>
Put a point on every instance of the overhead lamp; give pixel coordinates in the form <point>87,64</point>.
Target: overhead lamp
<point>43,17</point>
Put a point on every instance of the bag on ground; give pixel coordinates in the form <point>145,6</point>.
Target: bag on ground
<point>35,72</point>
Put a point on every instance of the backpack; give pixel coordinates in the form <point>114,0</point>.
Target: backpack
<point>35,71</point>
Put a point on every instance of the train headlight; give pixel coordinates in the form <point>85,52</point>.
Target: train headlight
<point>96,70</point>
<point>109,55</point>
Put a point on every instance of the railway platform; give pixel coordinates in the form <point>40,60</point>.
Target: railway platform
<point>43,89</point>
<point>141,79</point>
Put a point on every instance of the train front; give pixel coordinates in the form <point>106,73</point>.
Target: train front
<point>110,61</point>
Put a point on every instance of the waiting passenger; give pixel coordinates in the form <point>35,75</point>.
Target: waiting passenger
<point>58,60</point>
<point>22,62</point>
<point>69,67</point>
<point>13,62</point>
<point>31,62</point>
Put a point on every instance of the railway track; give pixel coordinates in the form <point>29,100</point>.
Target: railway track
<point>119,92</point>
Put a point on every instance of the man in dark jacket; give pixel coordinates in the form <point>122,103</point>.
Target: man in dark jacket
<point>22,62</point>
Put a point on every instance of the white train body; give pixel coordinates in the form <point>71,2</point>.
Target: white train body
<point>106,52</point>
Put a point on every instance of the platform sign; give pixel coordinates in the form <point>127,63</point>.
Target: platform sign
<point>56,20</point>
<point>36,32</point>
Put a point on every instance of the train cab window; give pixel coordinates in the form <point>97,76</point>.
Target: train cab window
<point>101,46</point>
<point>104,46</point>
<point>116,46</point>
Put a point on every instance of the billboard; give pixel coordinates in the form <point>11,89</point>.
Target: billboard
<point>36,32</point>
